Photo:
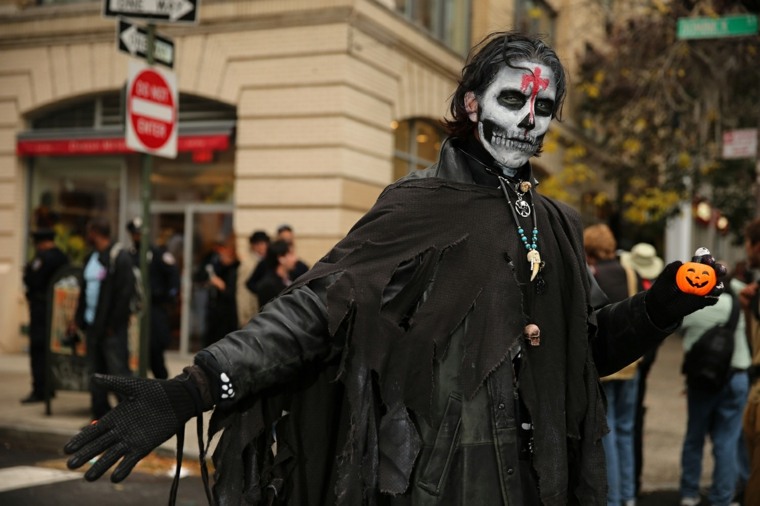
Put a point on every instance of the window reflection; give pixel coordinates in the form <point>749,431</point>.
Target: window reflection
<point>182,180</point>
<point>67,192</point>
<point>535,17</point>
<point>417,144</point>
<point>447,20</point>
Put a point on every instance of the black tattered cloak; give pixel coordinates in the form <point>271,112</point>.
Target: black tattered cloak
<point>349,428</point>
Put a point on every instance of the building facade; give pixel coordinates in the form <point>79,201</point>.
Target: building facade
<point>290,111</point>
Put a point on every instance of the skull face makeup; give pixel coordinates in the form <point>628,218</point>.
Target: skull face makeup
<point>514,112</point>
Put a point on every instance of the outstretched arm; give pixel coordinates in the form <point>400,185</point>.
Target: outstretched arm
<point>268,351</point>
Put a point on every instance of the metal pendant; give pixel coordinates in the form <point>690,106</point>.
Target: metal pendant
<point>522,207</point>
<point>532,334</point>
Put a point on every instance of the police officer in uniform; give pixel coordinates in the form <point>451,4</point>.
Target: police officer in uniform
<point>48,258</point>
<point>163,277</point>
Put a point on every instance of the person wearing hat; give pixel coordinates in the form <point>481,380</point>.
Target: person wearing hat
<point>163,276</point>
<point>38,272</point>
<point>644,261</point>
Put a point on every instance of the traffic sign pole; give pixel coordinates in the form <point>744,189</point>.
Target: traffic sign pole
<point>145,195</point>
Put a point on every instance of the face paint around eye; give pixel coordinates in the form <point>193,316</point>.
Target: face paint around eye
<point>515,112</point>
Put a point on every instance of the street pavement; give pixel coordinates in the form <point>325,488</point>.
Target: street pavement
<point>663,434</point>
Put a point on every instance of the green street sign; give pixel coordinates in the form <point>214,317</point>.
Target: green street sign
<point>711,28</point>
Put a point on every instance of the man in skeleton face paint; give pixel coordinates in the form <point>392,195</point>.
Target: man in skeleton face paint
<point>443,353</point>
<point>513,113</point>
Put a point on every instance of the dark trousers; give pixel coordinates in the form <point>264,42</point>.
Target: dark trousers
<point>159,340</point>
<point>106,354</point>
<point>37,344</point>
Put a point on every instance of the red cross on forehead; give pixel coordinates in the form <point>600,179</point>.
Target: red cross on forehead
<point>538,85</point>
<point>534,79</point>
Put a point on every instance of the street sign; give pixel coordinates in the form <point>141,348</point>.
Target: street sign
<point>740,143</point>
<point>133,39</point>
<point>169,11</point>
<point>711,28</point>
<point>151,110</point>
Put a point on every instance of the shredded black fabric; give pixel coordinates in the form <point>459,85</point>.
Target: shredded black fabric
<point>457,234</point>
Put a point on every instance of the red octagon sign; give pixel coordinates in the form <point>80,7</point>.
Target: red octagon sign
<point>152,113</point>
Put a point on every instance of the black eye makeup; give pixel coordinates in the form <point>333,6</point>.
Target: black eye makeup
<point>512,99</point>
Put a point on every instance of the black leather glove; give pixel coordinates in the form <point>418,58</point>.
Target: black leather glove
<point>666,304</point>
<point>150,412</point>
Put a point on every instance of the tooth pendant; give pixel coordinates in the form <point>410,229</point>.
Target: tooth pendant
<point>534,258</point>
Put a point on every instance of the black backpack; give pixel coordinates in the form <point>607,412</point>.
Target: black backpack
<point>707,364</point>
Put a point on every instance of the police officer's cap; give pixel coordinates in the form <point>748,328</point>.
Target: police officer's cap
<point>134,226</point>
<point>43,234</point>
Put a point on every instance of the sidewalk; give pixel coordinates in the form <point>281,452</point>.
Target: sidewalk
<point>664,430</point>
<point>69,410</point>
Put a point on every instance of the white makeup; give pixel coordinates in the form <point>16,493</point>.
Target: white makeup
<point>514,112</point>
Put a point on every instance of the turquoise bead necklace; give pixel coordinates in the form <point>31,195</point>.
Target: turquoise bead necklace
<point>525,210</point>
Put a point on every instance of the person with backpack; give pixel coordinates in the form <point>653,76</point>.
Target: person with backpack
<point>104,309</point>
<point>716,389</point>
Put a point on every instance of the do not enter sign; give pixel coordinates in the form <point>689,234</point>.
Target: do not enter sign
<point>151,110</point>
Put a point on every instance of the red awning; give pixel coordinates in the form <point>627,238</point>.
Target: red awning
<point>113,145</point>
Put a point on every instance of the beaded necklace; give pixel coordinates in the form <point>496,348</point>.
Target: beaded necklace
<point>525,210</point>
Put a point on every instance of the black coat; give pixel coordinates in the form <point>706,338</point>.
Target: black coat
<point>416,315</point>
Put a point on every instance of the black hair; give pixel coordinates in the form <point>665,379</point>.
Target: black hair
<point>484,62</point>
<point>258,236</point>
<point>276,250</point>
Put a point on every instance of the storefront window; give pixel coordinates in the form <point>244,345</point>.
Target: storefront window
<point>447,20</point>
<point>182,180</point>
<point>66,192</point>
<point>417,144</point>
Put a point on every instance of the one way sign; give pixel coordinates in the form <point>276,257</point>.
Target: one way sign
<point>133,39</point>
<point>168,11</point>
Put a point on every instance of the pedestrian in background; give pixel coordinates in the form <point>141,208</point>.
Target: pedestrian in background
<point>750,301</point>
<point>219,270</point>
<point>715,414</point>
<point>247,301</point>
<point>280,262</point>
<point>38,273</point>
<point>620,388</point>
<point>103,310</point>
<point>163,277</point>
<point>285,233</point>
<point>647,265</point>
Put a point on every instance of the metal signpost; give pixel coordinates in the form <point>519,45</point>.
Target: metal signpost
<point>152,108</point>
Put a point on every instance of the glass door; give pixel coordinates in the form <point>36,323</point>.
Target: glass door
<point>191,232</point>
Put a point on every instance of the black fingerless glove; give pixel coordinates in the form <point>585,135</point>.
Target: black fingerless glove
<point>150,412</point>
<point>666,304</point>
